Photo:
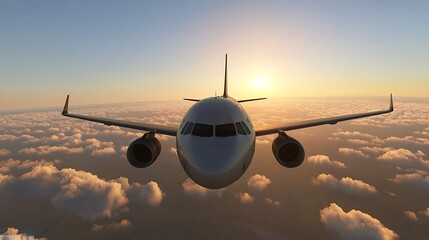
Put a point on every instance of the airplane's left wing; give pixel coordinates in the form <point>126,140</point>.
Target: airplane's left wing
<point>265,130</point>
<point>167,130</point>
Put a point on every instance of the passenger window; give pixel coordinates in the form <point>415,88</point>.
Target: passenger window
<point>184,128</point>
<point>240,129</point>
<point>202,130</point>
<point>225,130</point>
<point>245,127</point>
<point>189,128</point>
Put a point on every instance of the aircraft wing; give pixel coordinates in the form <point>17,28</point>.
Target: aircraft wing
<point>167,130</point>
<point>266,130</point>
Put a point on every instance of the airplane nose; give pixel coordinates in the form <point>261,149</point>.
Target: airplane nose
<point>212,160</point>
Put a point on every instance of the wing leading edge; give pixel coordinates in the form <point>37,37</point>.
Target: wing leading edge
<point>167,130</point>
<point>265,130</point>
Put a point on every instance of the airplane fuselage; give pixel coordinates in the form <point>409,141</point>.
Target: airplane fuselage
<point>215,142</point>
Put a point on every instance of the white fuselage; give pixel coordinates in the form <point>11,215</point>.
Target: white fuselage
<point>215,142</point>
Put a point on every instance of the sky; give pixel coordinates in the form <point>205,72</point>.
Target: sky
<point>128,51</point>
<point>63,178</point>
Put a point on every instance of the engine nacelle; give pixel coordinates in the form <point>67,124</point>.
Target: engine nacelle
<point>144,151</point>
<point>288,151</point>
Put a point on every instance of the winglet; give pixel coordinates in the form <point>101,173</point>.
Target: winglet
<point>66,106</point>
<point>391,103</point>
<point>225,86</point>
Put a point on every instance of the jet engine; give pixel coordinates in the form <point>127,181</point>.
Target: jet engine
<point>288,151</point>
<point>144,151</point>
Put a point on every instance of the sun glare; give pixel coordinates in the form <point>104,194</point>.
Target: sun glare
<point>260,82</point>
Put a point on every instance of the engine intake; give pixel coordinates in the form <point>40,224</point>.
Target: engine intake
<point>144,151</point>
<point>288,151</point>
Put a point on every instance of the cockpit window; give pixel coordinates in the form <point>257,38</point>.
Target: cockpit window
<point>240,129</point>
<point>189,128</point>
<point>245,127</point>
<point>225,130</point>
<point>202,130</point>
<point>184,128</point>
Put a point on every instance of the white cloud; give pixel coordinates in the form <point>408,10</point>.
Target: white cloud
<point>173,150</point>
<point>408,139</point>
<point>346,184</point>
<point>103,151</point>
<point>44,150</point>
<point>272,202</point>
<point>4,151</point>
<point>376,149</point>
<point>125,223</point>
<point>426,212</point>
<point>245,198</point>
<point>400,155</point>
<point>414,179</point>
<point>88,196</point>
<point>262,141</point>
<point>352,152</point>
<point>124,149</point>
<point>354,224</point>
<point>411,215</point>
<point>150,194</point>
<point>324,160</point>
<point>4,178</point>
<point>258,182</point>
<point>79,192</point>
<point>11,231</point>
<point>199,192</point>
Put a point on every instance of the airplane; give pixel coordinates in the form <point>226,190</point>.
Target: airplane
<point>216,138</point>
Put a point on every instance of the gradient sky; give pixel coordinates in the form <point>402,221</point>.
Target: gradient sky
<point>119,51</point>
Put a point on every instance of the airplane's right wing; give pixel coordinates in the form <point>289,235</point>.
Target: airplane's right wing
<point>265,130</point>
<point>167,130</point>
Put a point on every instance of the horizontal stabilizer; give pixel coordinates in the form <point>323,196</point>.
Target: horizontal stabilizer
<point>191,99</point>
<point>253,99</point>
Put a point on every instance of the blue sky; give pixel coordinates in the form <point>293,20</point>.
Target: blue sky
<point>111,51</point>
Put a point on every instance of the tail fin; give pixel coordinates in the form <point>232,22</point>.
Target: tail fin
<point>225,86</point>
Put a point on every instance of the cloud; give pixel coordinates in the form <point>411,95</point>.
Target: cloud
<point>426,212</point>
<point>11,231</point>
<point>324,160</point>
<point>103,151</point>
<point>245,198</point>
<point>125,223</point>
<point>411,215</point>
<point>88,196</point>
<point>150,194</point>
<point>16,235</point>
<point>352,152</point>
<point>262,141</point>
<point>4,151</point>
<point>347,184</point>
<point>376,149</point>
<point>79,192</point>
<point>400,155</point>
<point>272,202</point>
<point>173,150</point>
<point>124,149</point>
<point>413,179</point>
<point>354,224</point>
<point>199,192</point>
<point>97,144</point>
<point>408,139</point>
<point>4,179</point>
<point>45,150</point>
<point>357,137</point>
<point>258,182</point>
